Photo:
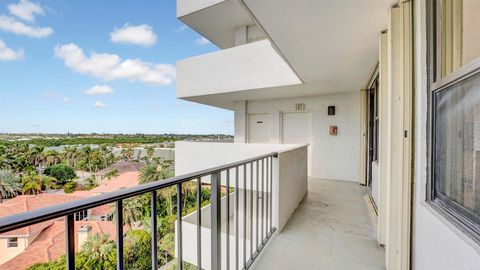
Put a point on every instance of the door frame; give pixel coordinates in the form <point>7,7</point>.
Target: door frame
<point>308,112</point>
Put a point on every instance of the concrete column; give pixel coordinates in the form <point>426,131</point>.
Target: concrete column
<point>240,122</point>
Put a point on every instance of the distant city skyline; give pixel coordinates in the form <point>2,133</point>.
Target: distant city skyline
<point>107,67</point>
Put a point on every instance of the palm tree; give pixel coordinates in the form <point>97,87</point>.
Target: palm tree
<point>132,211</point>
<point>98,247</point>
<point>127,153</point>
<point>71,154</point>
<point>149,173</point>
<point>168,194</point>
<point>52,157</point>
<point>87,152</point>
<point>32,183</point>
<point>150,152</point>
<point>106,150</point>
<point>37,156</point>
<point>48,182</point>
<point>112,174</point>
<point>9,185</point>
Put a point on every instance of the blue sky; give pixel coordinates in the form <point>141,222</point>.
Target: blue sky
<point>98,66</point>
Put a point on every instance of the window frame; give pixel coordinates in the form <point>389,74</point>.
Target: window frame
<point>10,242</point>
<point>461,217</point>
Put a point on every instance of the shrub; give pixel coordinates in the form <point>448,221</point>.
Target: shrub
<point>62,173</point>
<point>70,187</point>
<point>90,183</point>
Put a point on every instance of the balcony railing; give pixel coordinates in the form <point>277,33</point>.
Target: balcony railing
<point>256,173</point>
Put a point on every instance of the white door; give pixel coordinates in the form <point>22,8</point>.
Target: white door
<point>296,129</point>
<point>259,128</point>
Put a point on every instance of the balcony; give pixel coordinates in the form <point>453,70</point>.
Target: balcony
<point>218,78</point>
<point>263,213</point>
<point>331,229</point>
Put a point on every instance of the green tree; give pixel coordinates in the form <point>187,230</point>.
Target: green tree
<point>70,187</point>
<point>112,174</point>
<point>149,173</point>
<point>62,173</point>
<point>48,182</point>
<point>150,151</point>
<point>106,150</point>
<point>71,154</point>
<point>137,252</point>
<point>133,210</point>
<point>52,157</point>
<point>127,153</point>
<point>37,155</point>
<point>98,252</point>
<point>9,185</point>
<point>86,155</point>
<point>32,183</point>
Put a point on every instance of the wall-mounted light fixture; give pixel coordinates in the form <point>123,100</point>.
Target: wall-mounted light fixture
<point>331,110</point>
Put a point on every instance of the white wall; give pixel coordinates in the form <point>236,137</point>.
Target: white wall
<point>289,186</point>
<point>195,156</point>
<point>332,157</point>
<point>437,244</point>
<point>250,66</point>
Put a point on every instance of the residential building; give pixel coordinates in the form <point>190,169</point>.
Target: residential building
<point>44,241</point>
<point>15,242</point>
<point>50,243</point>
<point>356,138</point>
<point>385,94</point>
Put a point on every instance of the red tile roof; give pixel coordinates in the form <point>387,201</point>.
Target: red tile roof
<point>49,236</point>
<point>50,244</point>
<point>25,203</point>
<point>125,180</point>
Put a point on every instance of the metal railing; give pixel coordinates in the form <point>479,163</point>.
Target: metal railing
<point>258,171</point>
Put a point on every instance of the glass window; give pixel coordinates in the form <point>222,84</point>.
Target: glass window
<point>457,143</point>
<point>12,242</point>
<point>455,99</point>
<point>458,38</point>
<point>82,215</point>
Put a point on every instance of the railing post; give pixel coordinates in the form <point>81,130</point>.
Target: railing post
<point>153,202</point>
<point>179,227</point>
<point>119,225</point>
<point>216,221</point>
<point>70,241</point>
<point>199,223</point>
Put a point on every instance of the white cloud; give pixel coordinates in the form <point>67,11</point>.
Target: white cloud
<point>112,67</point>
<point>99,90</point>
<point>142,35</point>
<point>99,104</point>
<point>26,10</point>
<point>66,100</point>
<point>7,54</point>
<point>181,28</point>
<point>202,41</point>
<point>12,25</point>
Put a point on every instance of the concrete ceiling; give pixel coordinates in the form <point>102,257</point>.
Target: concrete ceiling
<point>332,45</point>
<point>218,22</point>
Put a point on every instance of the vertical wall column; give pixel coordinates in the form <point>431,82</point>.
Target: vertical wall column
<point>399,187</point>
<point>384,144</point>
<point>240,122</point>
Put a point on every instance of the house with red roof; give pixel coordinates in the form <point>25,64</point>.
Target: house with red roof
<point>37,243</point>
<point>49,245</point>
<point>15,242</point>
